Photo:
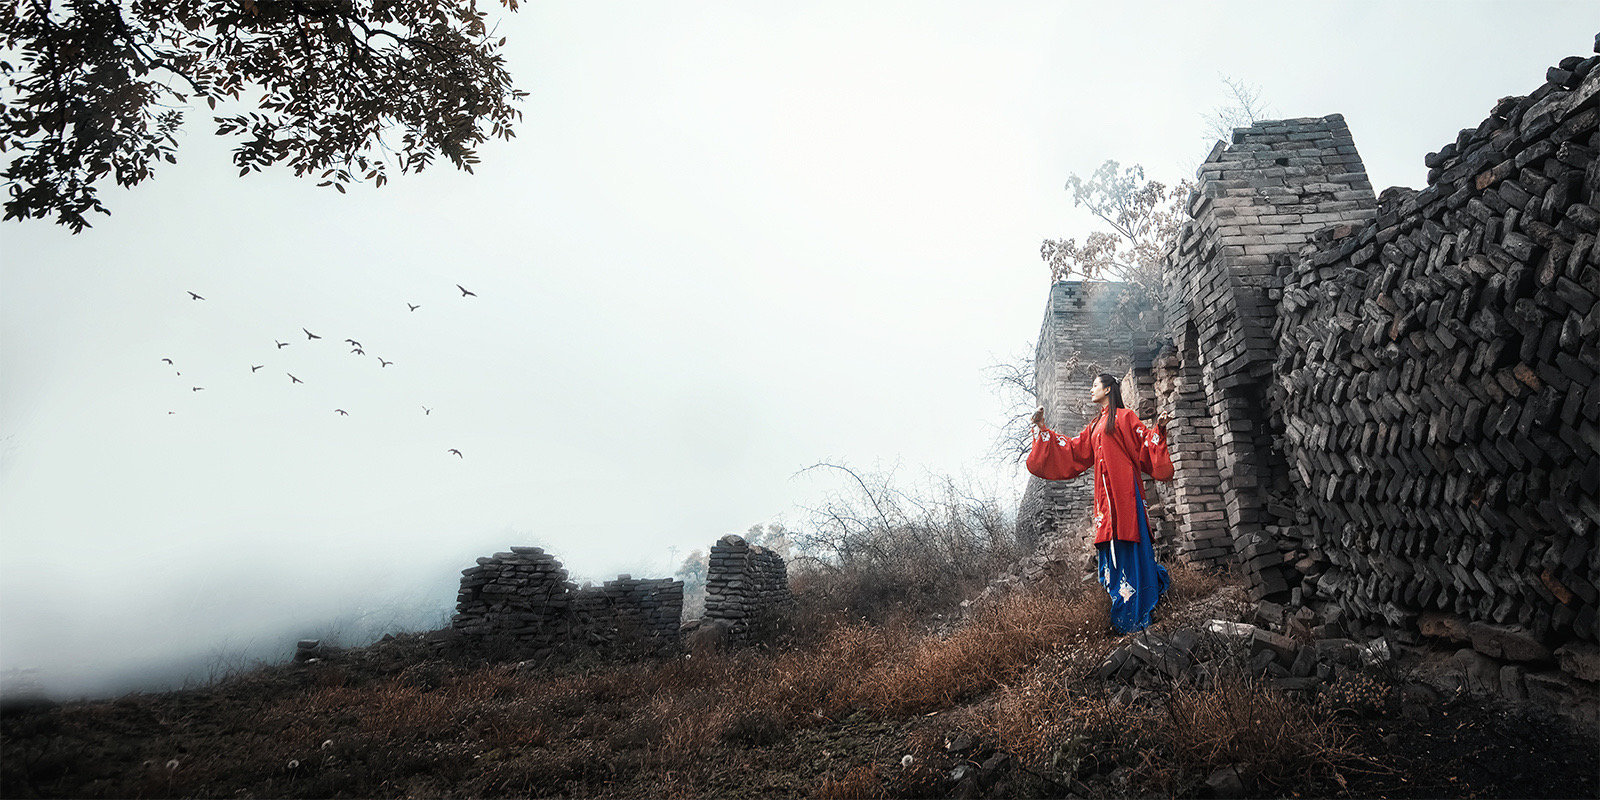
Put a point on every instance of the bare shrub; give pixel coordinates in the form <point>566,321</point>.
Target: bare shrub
<point>877,550</point>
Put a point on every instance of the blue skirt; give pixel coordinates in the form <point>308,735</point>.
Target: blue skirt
<point>1132,577</point>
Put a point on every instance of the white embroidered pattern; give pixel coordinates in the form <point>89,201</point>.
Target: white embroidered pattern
<point>1125,590</point>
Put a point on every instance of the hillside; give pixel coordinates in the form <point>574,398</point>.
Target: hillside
<point>1010,702</point>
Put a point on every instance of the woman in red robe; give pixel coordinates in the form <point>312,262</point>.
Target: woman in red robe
<point>1119,448</point>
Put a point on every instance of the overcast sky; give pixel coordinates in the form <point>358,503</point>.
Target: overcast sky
<point>729,240</point>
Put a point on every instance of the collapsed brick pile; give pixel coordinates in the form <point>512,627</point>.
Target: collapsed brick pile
<point>745,585</point>
<point>1293,649</point>
<point>1436,386</point>
<point>1300,650</point>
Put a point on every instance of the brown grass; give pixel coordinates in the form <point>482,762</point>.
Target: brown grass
<point>990,650</point>
<point>860,783</point>
<point>1054,720</point>
<point>1240,722</point>
<point>1189,583</point>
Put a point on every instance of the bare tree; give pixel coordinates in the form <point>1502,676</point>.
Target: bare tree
<point>1015,382</point>
<point>1243,108</point>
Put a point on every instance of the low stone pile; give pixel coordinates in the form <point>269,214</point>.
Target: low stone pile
<point>1299,649</point>
<point>628,610</point>
<point>745,584</point>
<point>521,601</point>
<point>1511,661</point>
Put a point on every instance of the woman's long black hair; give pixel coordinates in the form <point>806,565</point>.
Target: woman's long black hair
<point>1113,398</point>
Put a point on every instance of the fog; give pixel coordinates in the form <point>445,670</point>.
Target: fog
<point>729,241</point>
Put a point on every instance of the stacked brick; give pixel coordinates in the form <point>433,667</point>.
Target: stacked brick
<point>1258,201</point>
<point>1195,493</point>
<point>522,602</point>
<point>1436,388</point>
<point>746,586</point>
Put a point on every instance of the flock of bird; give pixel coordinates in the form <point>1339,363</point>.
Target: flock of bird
<point>355,348</point>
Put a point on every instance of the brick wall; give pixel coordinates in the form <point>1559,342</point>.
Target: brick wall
<point>1438,385</point>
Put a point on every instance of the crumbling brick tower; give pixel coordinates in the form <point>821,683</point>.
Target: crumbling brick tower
<point>1257,203</point>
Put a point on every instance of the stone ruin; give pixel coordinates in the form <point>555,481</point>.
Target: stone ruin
<point>747,586</point>
<point>1386,408</point>
<point>520,603</point>
<point>521,600</point>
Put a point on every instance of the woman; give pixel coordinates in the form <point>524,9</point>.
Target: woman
<point>1119,447</point>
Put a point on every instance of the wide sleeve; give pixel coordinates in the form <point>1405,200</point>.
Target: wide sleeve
<point>1057,458</point>
<point>1150,451</point>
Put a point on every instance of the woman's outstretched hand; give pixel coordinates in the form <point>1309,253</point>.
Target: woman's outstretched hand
<point>1038,417</point>
<point>1163,419</point>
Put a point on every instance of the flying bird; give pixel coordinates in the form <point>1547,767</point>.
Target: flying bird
<point>196,388</point>
<point>457,452</point>
<point>383,363</point>
<point>194,296</point>
<point>255,367</point>
<point>353,343</point>
<point>413,308</point>
<point>358,351</point>
<point>342,412</point>
<point>310,335</point>
<point>280,345</point>
<point>168,360</point>
<point>464,292</point>
<point>426,411</point>
<point>293,378</point>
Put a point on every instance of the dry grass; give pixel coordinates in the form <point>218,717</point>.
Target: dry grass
<point>989,651</point>
<point>1016,673</point>
<point>1054,720</point>
<point>1238,721</point>
<point>1189,583</point>
<point>860,783</point>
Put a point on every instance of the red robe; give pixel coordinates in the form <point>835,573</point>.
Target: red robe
<point>1117,460</point>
